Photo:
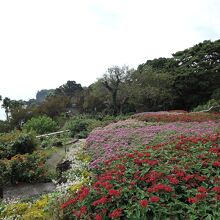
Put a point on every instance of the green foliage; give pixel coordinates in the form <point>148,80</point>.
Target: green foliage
<point>16,142</point>
<point>207,106</point>
<point>4,173</point>
<point>68,89</point>
<point>81,126</point>
<point>195,73</point>
<point>41,125</point>
<point>216,94</point>
<point>53,106</point>
<point>29,210</point>
<point>151,90</point>
<point>4,126</point>
<point>28,168</point>
<point>25,143</point>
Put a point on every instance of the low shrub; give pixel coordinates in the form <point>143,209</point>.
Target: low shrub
<point>80,126</point>
<point>24,143</point>
<point>28,168</point>
<point>27,210</point>
<point>16,142</point>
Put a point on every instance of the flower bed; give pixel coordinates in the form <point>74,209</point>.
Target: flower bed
<point>176,117</point>
<point>174,180</point>
<point>118,138</point>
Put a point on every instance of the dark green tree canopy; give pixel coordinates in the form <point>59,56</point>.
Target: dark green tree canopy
<point>68,89</point>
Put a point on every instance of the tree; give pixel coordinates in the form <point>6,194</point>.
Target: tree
<point>195,72</point>
<point>96,98</point>
<point>198,73</point>
<point>6,105</point>
<point>68,89</point>
<point>53,106</point>
<point>151,90</point>
<point>112,81</point>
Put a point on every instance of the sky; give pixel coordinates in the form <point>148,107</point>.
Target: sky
<point>44,43</point>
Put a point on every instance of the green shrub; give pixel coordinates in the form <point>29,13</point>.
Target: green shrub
<point>16,142</point>
<point>207,106</point>
<point>82,134</point>
<point>25,143</point>
<point>41,125</point>
<point>76,126</point>
<point>4,173</point>
<point>82,125</point>
<point>56,142</point>
<point>28,168</point>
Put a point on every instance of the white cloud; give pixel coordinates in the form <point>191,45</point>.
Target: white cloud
<point>44,43</point>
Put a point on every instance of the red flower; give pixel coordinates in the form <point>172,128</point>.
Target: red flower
<point>66,204</point>
<point>116,213</point>
<point>103,200</point>
<point>98,217</point>
<point>188,177</point>
<point>83,209</point>
<point>215,150</point>
<point>114,192</point>
<point>216,164</point>
<point>167,188</point>
<point>154,199</point>
<point>84,193</point>
<point>143,203</point>
<point>192,200</point>
<point>147,154</point>
<point>174,181</point>
<point>216,189</point>
<point>201,195</point>
<point>202,189</point>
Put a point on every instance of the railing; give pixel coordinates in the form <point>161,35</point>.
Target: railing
<point>51,134</point>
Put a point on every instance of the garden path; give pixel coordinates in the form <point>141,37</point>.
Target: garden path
<point>28,190</point>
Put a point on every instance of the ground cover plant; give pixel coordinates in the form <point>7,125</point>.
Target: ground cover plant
<point>118,138</point>
<point>174,180</point>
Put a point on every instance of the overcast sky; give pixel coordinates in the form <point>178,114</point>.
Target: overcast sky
<point>44,43</point>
